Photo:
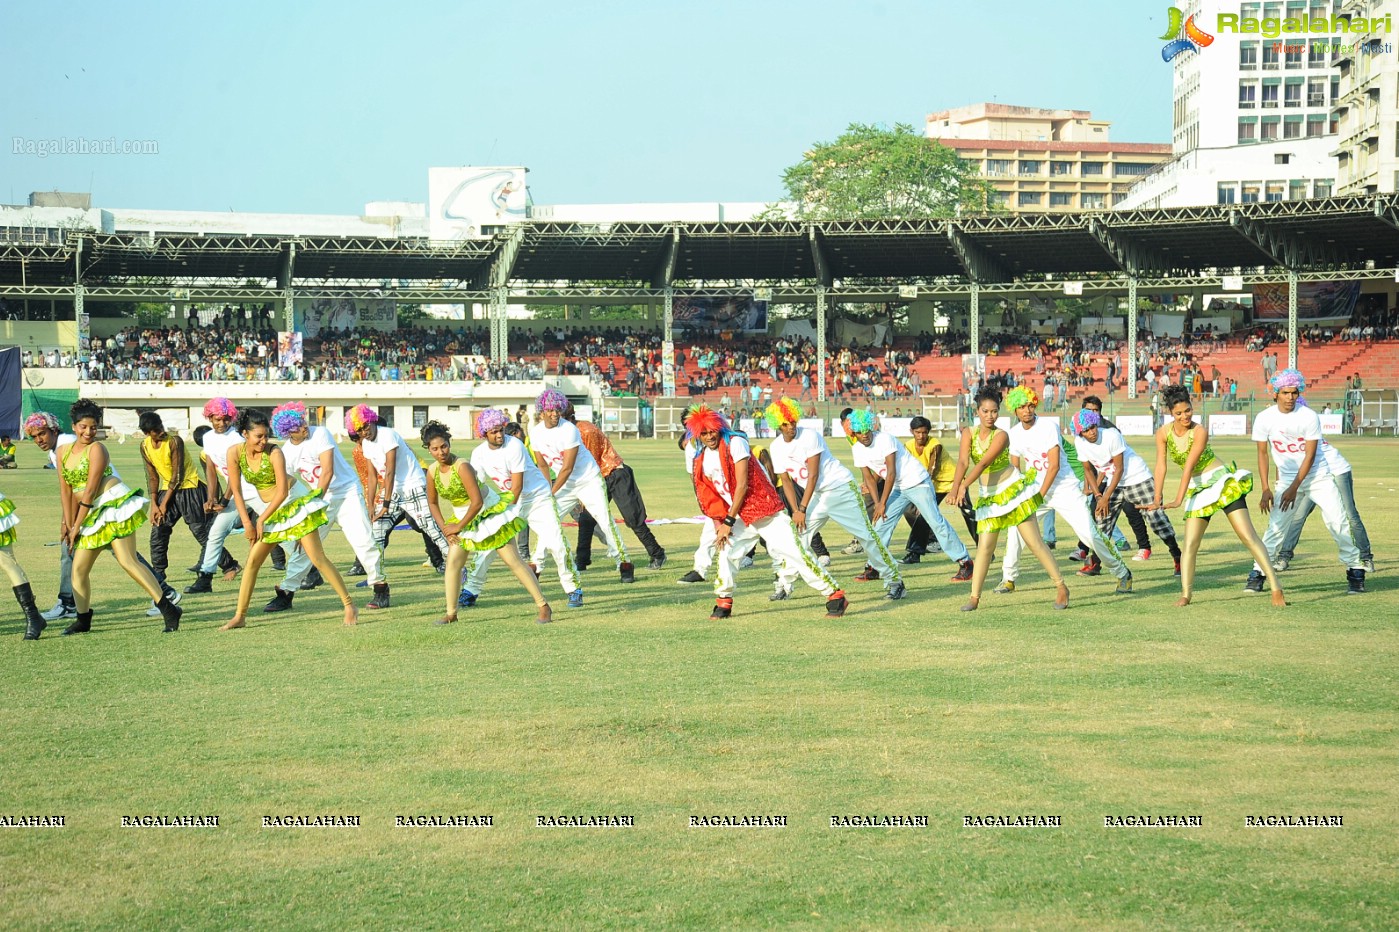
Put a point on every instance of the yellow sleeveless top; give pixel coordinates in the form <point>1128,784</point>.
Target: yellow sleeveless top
<point>160,459</point>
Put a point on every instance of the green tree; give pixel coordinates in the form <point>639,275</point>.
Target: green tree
<point>876,172</point>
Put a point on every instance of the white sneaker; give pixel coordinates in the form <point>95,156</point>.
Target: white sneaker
<point>1281,564</point>
<point>824,561</point>
<point>1143,555</point>
<point>853,548</point>
<point>1368,564</point>
<point>152,611</point>
<point>59,611</point>
<point>745,563</point>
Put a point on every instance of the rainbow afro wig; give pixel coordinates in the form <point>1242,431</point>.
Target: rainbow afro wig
<point>220,407</point>
<point>359,417</point>
<point>1020,396</point>
<point>701,418</point>
<point>287,418</point>
<point>862,422</point>
<point>1288,378</point>
<point>551,399</point>
<point>41,420</point>
<point>782,411</point>
<point>490,419</point>
<point>1085,420</point>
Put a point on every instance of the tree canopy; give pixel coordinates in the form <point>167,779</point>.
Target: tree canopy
<point>877,172</point>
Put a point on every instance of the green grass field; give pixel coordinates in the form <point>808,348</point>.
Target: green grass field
<point>637,705</point>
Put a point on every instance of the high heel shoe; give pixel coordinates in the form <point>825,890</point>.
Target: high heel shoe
<point>546,614</point>
<point>1058,605</point>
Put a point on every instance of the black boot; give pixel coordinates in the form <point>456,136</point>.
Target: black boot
<point>202,583</point>
<point>280,602</point>
<point>82,626</point>
<point>357,569</point>
<point>34,623</point>
<point>279,560</point>
<point>171,613</point>
<point>628,572</point>
<point>313,579</point>
<point>381,596</point>
<point>1355,582</point>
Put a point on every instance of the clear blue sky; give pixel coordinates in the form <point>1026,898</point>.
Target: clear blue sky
<point>318,107</point>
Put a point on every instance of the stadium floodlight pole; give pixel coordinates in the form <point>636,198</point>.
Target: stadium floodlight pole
<point>974,318</point>
<point>821,344</point>
<point>1292,318</point>
<point>1132,337</point>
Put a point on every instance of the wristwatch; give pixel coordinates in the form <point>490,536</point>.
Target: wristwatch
<point>729,520</point>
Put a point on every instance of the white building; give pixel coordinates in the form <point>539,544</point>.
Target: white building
<point>1253,113</point>
<point>1367,109</point>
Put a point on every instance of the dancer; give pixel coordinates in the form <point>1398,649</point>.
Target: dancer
<point>505,461</point>
<point>1118,475</point>
<point>34,623</point>
<point>742,505</point>
<point>404,485</point>
<point>829,492</point>
<point>1005,497</point>
<point>1341,474</point>
<point>704,551</point>
<point>1036,443</point>
<point>311,454</point>
<point>621,488</point>
<point>102,513</point>
<point>483,519</point>
<point>291,513</point>
<point>559,451</point>
<point>1207,486</point>
<point>900,481</point>
<point>222,415</point>
<point>42,428</point>
<point>942,468</point>
<point>1291,433</point>
<point>1134,516</point>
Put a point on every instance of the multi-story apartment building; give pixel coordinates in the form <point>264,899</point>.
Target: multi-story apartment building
<point>1042,161</point>
<point>1367,109</point>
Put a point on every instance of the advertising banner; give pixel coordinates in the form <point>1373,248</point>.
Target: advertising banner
<point>1315,300</point>
<point>716,315</point>
<point>336,315</point>
<point>468,202</point>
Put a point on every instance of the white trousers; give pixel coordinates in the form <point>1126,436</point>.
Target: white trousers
<point>349,513</point>
<point>844,505</point>
<point>1069,501</point>
<point>782,542</point>
<point>1328,500</point>
<point>541,513</point>
<point>592,495</point>
<point>704,553</point>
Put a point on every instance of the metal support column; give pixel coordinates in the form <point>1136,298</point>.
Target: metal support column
<point>1132,337</point>
<point>974,319</point>
<point>288,294</point>
<point>821,344</point>
<point>1291,319</point>
<point>79,314</point>
<point>668,346</point>
<point>499,333</point>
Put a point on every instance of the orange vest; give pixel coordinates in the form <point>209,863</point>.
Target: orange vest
<point>761,501</point>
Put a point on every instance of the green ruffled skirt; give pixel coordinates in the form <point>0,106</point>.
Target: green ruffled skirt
<point>1215,490</point>
<point>497,523</point>
<point>302,513</point>
<point>1012,500</point>
<point>116,513</point>
<point>9,518</point>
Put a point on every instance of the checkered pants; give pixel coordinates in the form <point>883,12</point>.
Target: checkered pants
<point>414,504</point>
<point>1141,495</point>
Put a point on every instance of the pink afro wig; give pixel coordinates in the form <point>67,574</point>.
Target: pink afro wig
<point>490,419</point>
<point>359,417</point>
<point>551,399</point>
<point>220,407</point>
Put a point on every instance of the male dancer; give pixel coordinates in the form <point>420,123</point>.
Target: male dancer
<point>176,491</point>
<point>621,488</point>
<point>42,428</point>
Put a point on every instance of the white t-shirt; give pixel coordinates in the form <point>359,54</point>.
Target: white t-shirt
<point>691,454</point>
<point>1286,436</point>
<point>1335,462</point>
<point>64,440</point>
<point>304,459</point>
<point>713,467</point>
<point>1032,445</point>
<point>501,464</point>
<point>790,459</point>
<point>551,443</point>
<point>1100,454</point>
<point>407,474</point>
<point>910,472</point>
<point>216,449</point>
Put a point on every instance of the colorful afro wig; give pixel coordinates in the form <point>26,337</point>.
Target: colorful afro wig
<point>359,417</point>
<point>782,411</point>
<point>1020,396</point>
<point>1086,419</point>
<point>220,407</point>
<point>41,420</point>
<point>287,418</point>
<point>490,419</point>
<point>862,422</point>
<point>1288,378</point>
<point>551,399</point>
<point>701,418</point>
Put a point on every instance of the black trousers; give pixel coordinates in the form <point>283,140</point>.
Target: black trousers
<point>189,505</point>
<point>621,488</point>
<point>922,532</point>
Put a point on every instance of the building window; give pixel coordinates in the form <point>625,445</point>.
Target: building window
<point>1250,192</point>
<point>1292,129</point>
<point>1316,54</point>
<point>1029,167</point>
<point>1270,96</point>
<point>1095,201</point>
<point>1248,131</point>
<point>1273,192</point>
<point>1061,168</point>
<point>999,198</point>
<point>997,167</point>
<point>1271,55</point>
<point>1029,198</point>
<point>1248,95</point>
<point>1292,51</point>
<point>1249,10</point>
<point>385,415</point>
<point>1091,168</point>
<point>1269,131</point>
<point>1335,88</point>
<point>1322,188</point>
<point>1227,194</point>
<point>1292,94</point>
<point>1248,56</point>
<point>1130,169</point>
<point>1316,125</point>
<point>1061,199</point>
<point>1296,190</point>
<point>1282,158</point>
<point>1316,92</point>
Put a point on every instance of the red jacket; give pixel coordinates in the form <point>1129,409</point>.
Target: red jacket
<point>762,500</point>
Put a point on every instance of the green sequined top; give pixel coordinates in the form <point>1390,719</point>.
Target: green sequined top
<point>265,477</point>
<point>1179,456</point>
<point>77,477</point>
<point>978,451</point>
<point>453,491</point>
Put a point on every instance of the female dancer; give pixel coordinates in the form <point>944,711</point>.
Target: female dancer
<point>290,512</point>
<point>1206,487</point>
<point>1005,498</point>
<point>102,512</point>
<point>34,622</point>
<point>482,519</point>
